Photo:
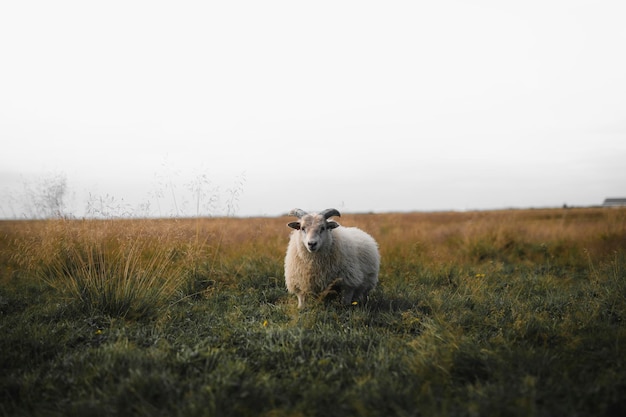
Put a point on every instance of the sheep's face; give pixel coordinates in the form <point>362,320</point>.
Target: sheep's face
<point>315,231</point>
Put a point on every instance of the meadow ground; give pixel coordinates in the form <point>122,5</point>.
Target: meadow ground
<point>516,313</point>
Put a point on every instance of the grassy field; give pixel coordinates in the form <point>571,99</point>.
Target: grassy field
<point>516,313</point>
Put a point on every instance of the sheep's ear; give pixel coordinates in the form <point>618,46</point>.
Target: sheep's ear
<point>294,225</point>
<point>332,225</point>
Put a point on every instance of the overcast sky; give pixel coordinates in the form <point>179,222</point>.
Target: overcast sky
<point>357,105</point>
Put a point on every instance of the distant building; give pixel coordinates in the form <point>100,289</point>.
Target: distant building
<point>614,202</point>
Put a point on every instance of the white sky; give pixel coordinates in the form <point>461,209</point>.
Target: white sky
<point>358,105</point>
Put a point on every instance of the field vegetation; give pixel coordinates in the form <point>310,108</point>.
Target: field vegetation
<point>516,313</point>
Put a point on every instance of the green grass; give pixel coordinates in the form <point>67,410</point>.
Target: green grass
<point>477,314</point>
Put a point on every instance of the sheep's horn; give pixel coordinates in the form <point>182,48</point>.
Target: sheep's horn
<point>328,213</point>
<point>297,212</point>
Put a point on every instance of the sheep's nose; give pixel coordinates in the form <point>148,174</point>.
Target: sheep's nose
<point>312,244</point>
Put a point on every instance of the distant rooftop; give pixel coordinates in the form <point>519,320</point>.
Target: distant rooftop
<point>612,202</point>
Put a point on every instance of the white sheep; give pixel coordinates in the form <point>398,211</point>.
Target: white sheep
<point>322,253</point>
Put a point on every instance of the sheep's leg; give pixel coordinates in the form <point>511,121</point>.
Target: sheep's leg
<point>347,296</point>
<point>300,300</point>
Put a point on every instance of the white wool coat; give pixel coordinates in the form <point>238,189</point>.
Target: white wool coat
<point>352,259</point>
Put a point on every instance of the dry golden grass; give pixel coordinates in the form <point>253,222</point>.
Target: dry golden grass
<point>158,256</point>
<point>567,235</point>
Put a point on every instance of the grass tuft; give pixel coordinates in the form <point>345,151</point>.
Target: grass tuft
<point>123,282</point>
<point>98,272</point>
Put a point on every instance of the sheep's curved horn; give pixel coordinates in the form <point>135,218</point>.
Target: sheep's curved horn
<point>328,213</point>
<point>297,212</point>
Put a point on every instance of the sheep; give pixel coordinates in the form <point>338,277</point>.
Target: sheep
<point>321,253</point>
